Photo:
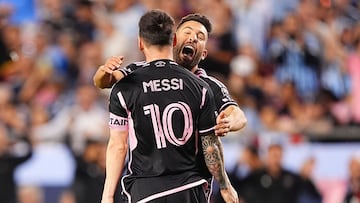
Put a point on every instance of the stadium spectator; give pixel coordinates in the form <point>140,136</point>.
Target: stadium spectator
<point>13,152</point>
<point>353,190</point>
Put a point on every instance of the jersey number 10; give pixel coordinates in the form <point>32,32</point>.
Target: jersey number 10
<point>162,123</point>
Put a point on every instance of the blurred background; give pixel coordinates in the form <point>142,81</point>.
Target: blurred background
<point>293,66</point>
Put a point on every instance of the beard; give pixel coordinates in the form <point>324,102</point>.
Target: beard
<point>188,62</point>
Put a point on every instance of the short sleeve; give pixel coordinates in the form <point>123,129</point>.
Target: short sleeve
<point>118,118</point>
<point>222,96</point>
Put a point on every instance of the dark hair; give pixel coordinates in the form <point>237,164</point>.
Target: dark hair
<point>198,18</point>
<point>156,27</point>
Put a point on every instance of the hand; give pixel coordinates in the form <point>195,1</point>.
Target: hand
<point>229,195</point>
<point>112,64</point>
<point>107,74</point>
<point>222,126</point>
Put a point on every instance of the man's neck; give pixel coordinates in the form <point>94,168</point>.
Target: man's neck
<point>153,53</point>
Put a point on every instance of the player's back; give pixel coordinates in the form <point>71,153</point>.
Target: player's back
<point>166,107</point>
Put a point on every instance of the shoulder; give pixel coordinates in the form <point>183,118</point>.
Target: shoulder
<point>212,81</point>
<point>187,72</point>
<point>137,64</point>
<point>216,86</point>
<point>127,82</point>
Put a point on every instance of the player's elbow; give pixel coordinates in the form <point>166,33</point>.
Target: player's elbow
<point>118,147</point>
<point>123,147</point>
<point>99,84</point>
<point>100,81</point>
<point>96,82</point>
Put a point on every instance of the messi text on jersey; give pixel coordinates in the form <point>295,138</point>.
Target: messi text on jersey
<point>163,85</point>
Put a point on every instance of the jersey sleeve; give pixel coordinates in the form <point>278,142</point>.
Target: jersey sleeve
<point>207,118</point>
<point>222,96</point>
<point>118,118</point>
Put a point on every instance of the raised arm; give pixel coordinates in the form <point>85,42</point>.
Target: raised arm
<point>108,74</point>
<point>115,160</point>
<point>214,160</point>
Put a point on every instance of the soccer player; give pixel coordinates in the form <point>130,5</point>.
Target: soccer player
<point>164,111</point>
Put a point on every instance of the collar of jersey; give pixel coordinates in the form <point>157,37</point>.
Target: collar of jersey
<point>161,62</point>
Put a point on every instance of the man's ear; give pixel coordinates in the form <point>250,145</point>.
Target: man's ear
<point>204,54</point>
<point>140,44</point>
<point>174,40</point>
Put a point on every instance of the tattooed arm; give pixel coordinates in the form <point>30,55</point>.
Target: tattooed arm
<point>214,159</point>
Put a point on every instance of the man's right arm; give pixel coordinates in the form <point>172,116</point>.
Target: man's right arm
<point>215,163</point>
<point>212,147</point>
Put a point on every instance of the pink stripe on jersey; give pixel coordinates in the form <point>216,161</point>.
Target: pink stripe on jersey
<point>203,97</point>
<point>132,137</point>
<point>209,193</point>
<point>206,130</point>
<point>132,145</point>
<point>118,122</point>
<point>172,191</point>
<point>123,187</point>
<point>122,100</point>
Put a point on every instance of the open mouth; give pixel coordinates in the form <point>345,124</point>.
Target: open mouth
<point>188,51</point>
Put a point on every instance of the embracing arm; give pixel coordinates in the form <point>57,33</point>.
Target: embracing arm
<point>108,74</point>
<point>115,160</point>
<point>232,118</point>
<point>104,78</point>
<point>214,160</point>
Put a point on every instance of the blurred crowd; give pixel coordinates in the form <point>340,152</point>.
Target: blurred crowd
<point>267,180</point>
<point>293,66</point>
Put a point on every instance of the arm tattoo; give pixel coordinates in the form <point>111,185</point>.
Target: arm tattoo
<point>212,150</point>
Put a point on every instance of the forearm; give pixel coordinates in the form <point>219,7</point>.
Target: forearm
<point>236,116</point>
<point>115,159</point>
<point>105,78</point>
<point>102,79</point>
<point>212,150</point>
<point>221,151</point>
